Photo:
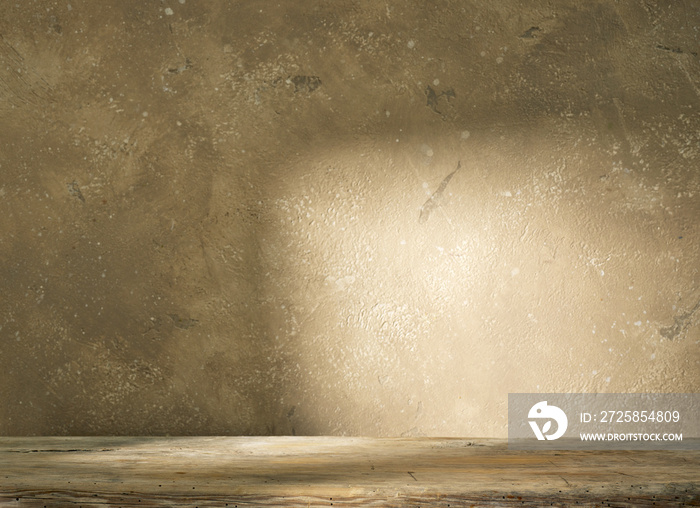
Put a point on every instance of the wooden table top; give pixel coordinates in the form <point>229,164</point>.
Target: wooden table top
<point>334,471</point>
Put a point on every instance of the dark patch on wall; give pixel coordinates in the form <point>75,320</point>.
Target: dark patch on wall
<point>306,83</point>
<point>74,190</point>
<point>530,33</point>
<point>436,198</point>
<point>680,324</point>
<point>434,97</point>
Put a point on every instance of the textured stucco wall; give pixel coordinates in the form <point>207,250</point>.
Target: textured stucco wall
<point>216,217</point>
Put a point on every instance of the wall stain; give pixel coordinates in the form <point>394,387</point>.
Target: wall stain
<point>680,324</point>
<point>436,199</point>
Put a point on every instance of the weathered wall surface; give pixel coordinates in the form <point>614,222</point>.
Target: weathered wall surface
<point>236,217</point>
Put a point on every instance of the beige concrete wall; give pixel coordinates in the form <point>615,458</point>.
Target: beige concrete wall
<point>216,217</point>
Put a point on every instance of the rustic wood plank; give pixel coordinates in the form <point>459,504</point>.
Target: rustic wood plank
<point>332,471</point>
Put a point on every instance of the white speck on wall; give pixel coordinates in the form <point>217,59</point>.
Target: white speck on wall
<point>169,11</point>
<point>595,372</point>
<point>411,44</point>
<point>145,114</point>
<point>499,60</point>
<point>436,82</point>
<point>465,135</point>
<point>515,271</point>
<point>653,356</point>
<point>607,379</point>
<point>403,242</point>
<point>181,1</point>
<point>637,323</point>
<point>483,53</point>
<point>602,272</point>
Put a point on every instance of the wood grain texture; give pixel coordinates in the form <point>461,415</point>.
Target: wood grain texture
<point>333,471</point>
